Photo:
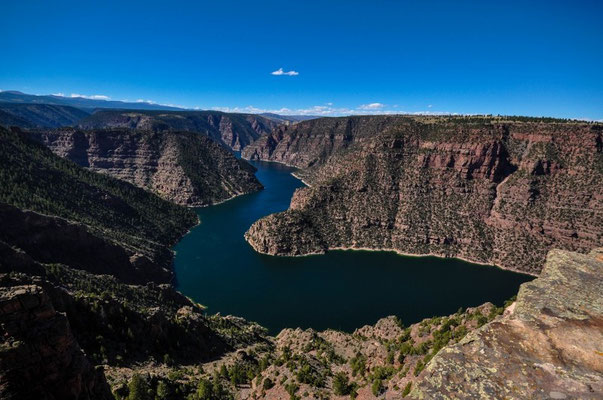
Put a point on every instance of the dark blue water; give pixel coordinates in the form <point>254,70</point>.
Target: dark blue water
<point>341,290</point>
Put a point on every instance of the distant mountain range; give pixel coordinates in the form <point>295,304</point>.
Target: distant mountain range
<point>89,105</point>
<point>288,119</point>
<point>12,96</point>
<point>28,115</point>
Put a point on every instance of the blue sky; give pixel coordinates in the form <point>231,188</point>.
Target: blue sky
<point>541,58</point>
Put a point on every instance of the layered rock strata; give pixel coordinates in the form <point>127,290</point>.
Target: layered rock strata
<point>487,190</point>
<point>183,167</point>
<point>234,131</point>
<point>546,346</point>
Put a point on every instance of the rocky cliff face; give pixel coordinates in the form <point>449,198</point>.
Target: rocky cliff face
<point>487,190</point>
<point>546,346</point>
<point>39,356</point>
<point>311,143</point>
<point>235,131</point>
<point>185,168</point>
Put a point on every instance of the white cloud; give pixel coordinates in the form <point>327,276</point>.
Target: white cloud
<point>92,97</point>
<point>280,71</point>
<point>59,94</point>
<point>329,110</point>
<point>371,106</point>
<point>429,106</point>
<point>144,101</point>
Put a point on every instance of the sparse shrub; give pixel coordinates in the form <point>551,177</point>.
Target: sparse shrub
<point>358,364</point>
<point>138,389</point>
<point>341,384</point>
<point>377,387</point>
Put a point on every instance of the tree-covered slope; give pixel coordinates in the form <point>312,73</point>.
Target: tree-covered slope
<point>39,115</point>
<point>33,178</point>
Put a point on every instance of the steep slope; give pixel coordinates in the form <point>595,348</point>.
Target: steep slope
<point>81,289</point>
<point>39,115</point>
<point>235,131</point>
<point>115,212</point>
<point>547,346</point>
<point>311,143</point>
<point>183,167</point>
<point>488,190</point>
<point>49,311</point>
<point>39,357</point>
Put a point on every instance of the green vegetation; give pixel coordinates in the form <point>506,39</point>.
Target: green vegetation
<point>342,385</point>
<point>377,387</point>
<point>292,389</point>
<point>33,178</point>
<point>358,364</point>
<point>138,389</point>
<point>406,390</point>
<point>306,373</point>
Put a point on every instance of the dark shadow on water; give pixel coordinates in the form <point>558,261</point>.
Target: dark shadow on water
<point>340,290</point>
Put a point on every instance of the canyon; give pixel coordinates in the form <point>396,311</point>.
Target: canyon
<point>186,168</point>
<point>235,131</point>
<point>88,308</point>
<point>492,190</point>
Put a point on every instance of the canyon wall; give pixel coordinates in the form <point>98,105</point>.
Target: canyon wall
<point>234,131</point>
<point>183,167</point>
<point>489,190</point>
<point>62,213</point>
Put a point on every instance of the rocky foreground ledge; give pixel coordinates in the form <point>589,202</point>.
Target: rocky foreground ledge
<point>548,345</point>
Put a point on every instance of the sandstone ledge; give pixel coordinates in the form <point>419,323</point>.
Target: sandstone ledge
<point>547,345</point>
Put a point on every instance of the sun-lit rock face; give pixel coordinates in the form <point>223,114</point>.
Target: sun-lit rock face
<point>183,167</point>
<point>488,190</point>
<point>234,131</point>
<point>546,346</point>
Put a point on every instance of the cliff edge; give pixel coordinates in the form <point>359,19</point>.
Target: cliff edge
<point>489,190</point>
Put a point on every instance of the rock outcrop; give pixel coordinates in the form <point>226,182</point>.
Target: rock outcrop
<point>546,346</point>
<point>375,361</point>
<point>234,131</point>
<point>489,190</point>
<point>183,167</point>
<point>39,356</point>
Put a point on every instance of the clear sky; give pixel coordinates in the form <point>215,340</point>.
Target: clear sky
<point>500,57</point>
